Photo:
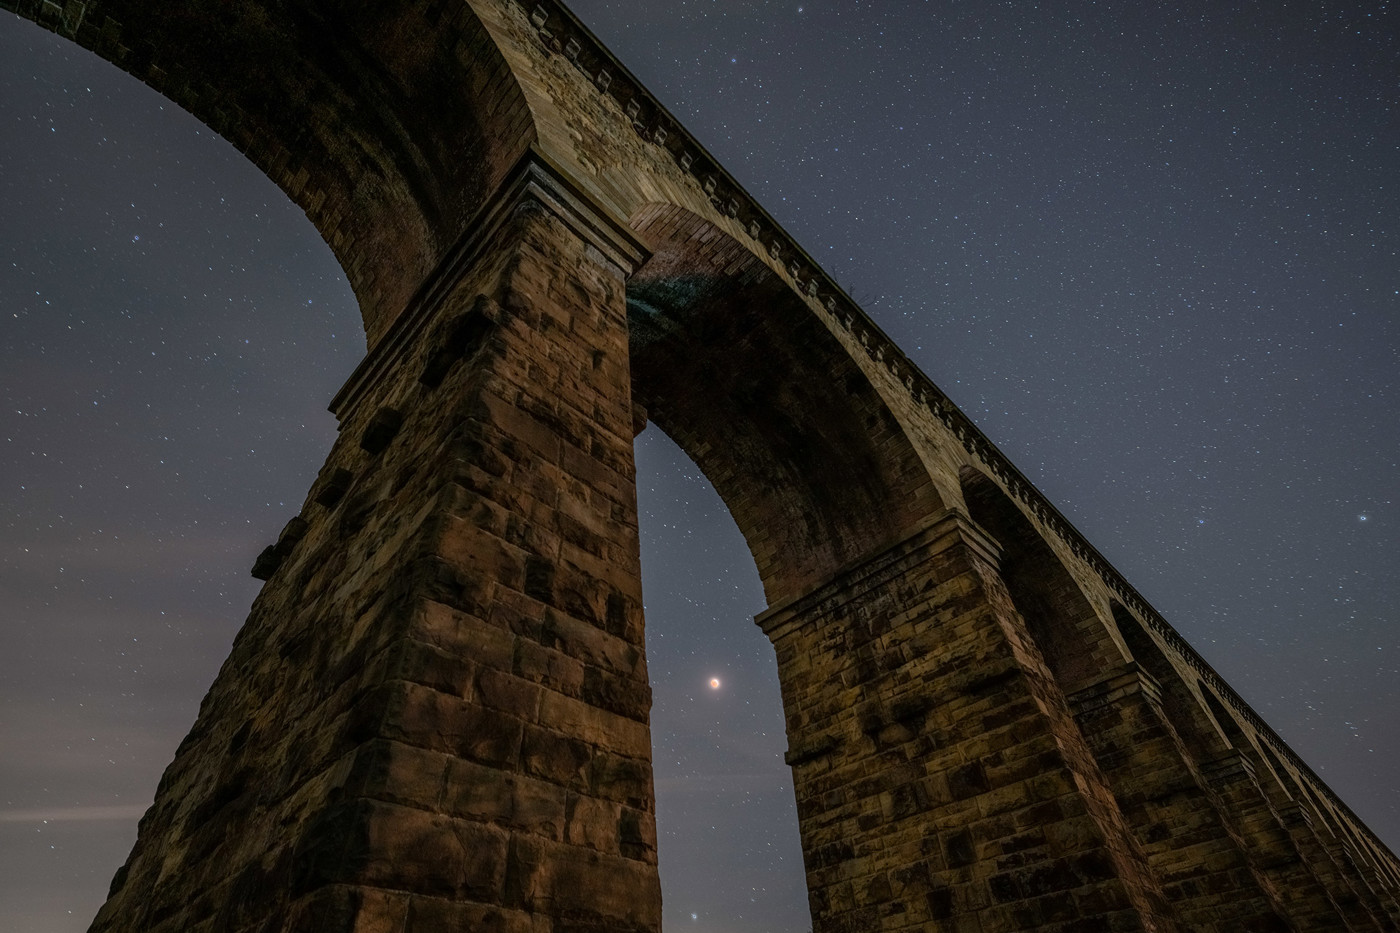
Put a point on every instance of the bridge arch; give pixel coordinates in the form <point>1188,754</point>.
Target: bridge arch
<point>1182,695</point>
<point>822,473</point>
<point>732,364</point>
<point>1075,642</point>
<point>389,125</point>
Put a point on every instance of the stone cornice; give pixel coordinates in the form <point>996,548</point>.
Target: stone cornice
<point>533,179</point>
<point>778,621</point>
<point>563,33</point>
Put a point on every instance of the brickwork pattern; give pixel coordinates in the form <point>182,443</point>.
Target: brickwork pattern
<point>937,783</point>
<point>442,690</point>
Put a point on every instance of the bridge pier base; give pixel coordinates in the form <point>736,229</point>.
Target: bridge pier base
<point>939,774</point>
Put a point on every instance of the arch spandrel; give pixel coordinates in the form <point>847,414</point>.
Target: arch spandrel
<point>735,367</point>
<point>580,101</point>
<point>597,125</point>
<point>388,124</point>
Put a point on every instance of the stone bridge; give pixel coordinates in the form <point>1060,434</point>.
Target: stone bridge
<point>436,715</point>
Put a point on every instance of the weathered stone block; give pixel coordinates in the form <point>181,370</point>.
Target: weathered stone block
<point>617,777</point>
<point>480,553</point>
<point>348,909</point>
<point>429,719</point>
<point>551,669</point>
<point>514,801</point>
<point>555,757</point>
<point>600,727</point>
<point>397,773</point>
<point>413,850</point>
<point>458,633</point>
<point>434,915</point>
<point>501,690</point>
<point>592,645</point>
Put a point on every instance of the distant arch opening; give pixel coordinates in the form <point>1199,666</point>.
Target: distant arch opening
<point>1181,706</point>
<point>748,383</point>
<point>726,815</point>
<point>1289,785</point>
<point>1269,781</point>
<point>1070,635</point>
<point>1233,733</point>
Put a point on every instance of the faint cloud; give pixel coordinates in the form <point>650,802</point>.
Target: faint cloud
<point>73,814</point>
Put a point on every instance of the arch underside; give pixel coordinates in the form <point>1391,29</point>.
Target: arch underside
<point>388,124</point>
<point>738,370</point>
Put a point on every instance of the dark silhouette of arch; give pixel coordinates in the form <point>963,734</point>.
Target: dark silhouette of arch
<point>1301,794</point>
<point>1231,728</point>
<point>1284,778</point>
<point>1182,707</point>
<point>1074,641</point>
<point>1270,781</point>
<point>735,367</point>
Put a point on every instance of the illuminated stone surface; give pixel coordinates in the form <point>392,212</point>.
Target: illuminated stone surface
<point>436,716</point>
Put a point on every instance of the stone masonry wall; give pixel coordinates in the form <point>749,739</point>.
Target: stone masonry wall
<point>436,716</point>
<point>938,786</point>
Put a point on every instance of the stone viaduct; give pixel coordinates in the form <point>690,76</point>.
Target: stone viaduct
<point>436,715</point>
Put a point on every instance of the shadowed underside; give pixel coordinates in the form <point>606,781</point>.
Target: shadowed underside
<point>388,124</point>
<point>731,363</point>
<point>436,716</point>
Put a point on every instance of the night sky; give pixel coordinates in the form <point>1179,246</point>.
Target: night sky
<point>1151,249</point>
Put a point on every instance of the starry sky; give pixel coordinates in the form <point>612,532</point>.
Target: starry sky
<point>1151,249</point>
